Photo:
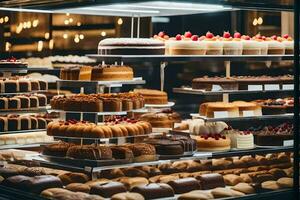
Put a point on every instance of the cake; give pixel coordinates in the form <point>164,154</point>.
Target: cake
<point>185,45</point>
<point>273,136</point>
<point>158,120</point>
<point>248,108</point>
<point>212,142</point>
<point>3,103</point>
<point>288,43</point>
<point>218,109</point>
<point>70,73</point>
<point>11,86</point>
<point>206,83</point>
<point>199,127</point>
<point>153,96</point>
<point>232,46</point>
<point>131,46</point>
<point>213,45</point>
<point>85,73</point>
<point>240,139</point>
<point>24,85</point>
<point>12,63</point>
<point>112,73</point>
<point>142,152</point>
<point>90,152</point>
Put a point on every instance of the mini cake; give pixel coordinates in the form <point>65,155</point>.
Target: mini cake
<point>34,101</point>
<point>142,152</point>
<point>250,47</point>
<point>211,109</point>
<point>153,96</point>
<point>212,142</point>
<point>11,86</point>
<point>90,152</point>
<point>70,73</point>
<point>43,85</point>
<point>35,85</point>
<point>42,123</point>
<point>185,45</point>
<point>111,73</point>
<point>206,83</point>
<point>25,85</point>
<point>213,45</point>
<point>288,43</point>
<point>248,108</point>
<point>3,124</point>
<point>14,123</point>
<point>232,46</point>
<point>14,103</point>
<point>42,99</point>
<point>25,123</point>
<point>3,103</point>
<point>240,139</point>
<point>275,46</point>
<point>131,46</point>
<point>25,101</point>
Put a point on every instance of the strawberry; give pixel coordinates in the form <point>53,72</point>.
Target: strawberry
<point>178,37</point>
<point>274,37</point>
<point>188,34</point>
<point>237,35</point>
<point>226,34</point>
<point>194,37</point>
<point>209,35</point>
<point>285,36</point>
<point>161,34</point>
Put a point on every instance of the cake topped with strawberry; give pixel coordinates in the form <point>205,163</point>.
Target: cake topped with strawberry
<point>12,63</point>
<point>232,45</point>
<point>213,44</point>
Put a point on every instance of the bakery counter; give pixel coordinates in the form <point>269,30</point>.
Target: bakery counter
<point>81,83</point>
<point>187,58</point>
<point>190,91</point>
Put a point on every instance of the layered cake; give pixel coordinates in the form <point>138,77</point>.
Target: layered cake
<point>117,127</point>
<point>250,46</point>
<point>275,46</point>
<point>70,73</point>
<point>206,83</point>
<point>112,73</point>
<point>21,84</point>
<point>232,45</point>
<point>274,136</point>
<point>98,102</point>
<point>276,106</point>
<point>187,44</point>
<point>199,127</point>
<point>218,109</point>
<point>212,142</point>
<point>240,139</point>
<point>131,46</point>
<point>162,119</point>
<point>153,96</point>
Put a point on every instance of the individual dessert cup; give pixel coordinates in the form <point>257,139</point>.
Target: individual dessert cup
<point>263,45</point>
<point>232,46</point>
<point>250,47</point>
<point>213,45</point>
<point>212,142</point>
<point>288,43</point>
<point>186,44</point>
<point>275,47</point>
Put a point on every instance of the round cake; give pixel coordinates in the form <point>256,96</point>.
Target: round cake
<point>245,107</point>
<point>206,83</point>
<point>185,46</point>
<point>153,96</point>
<point>112,73</point>
<point>210,109</point>
<point>240,139</point>
<point>131,46</point>
<point>158,120</point>
<point>212,142</point>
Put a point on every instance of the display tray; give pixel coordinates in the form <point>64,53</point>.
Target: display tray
<point>22,146</point>
<point>98,113</point>
<point>263,117</point>
<point>19,93</point>
<point>25,110</point>
<point>186,58</point>
<point>169,104</point>
<point>187,90</point>
<point>171,157</point>
<point>81,83</point>
<point>85,162</point>
<point>22,131</point>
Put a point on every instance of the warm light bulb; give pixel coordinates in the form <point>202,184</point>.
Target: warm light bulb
<point>120,21</point>
<point>260,21</point>
<point>254,22</point>
<point>47,36</point>
<point>40,45</point>
<point>1,20</point>
<point>68,14</point>
<point>76,40</point>
<point>35,23</point>
<point>103,33</point>
<point>51,44</point>
<point>78,23</point>
<point>65,36</point>
<point>28,24</point>
<point>7,46</point>
<point>6,18</point>
<point>71,20</point>
<point>81,36</point>
<point>66,22</point>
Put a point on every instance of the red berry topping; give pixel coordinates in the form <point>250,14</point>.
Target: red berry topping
<point>263,37</point>
<point>194,37</point>
<point>226,34</point>
<point>237,35</point>
<point>286,36</point>
<point>161,34</point>
<point>246,37</point>
<point>209,35</point>
<point>178,37</point>
<point>274,37</point>
<point>188,34</point>
<point>224,137</point>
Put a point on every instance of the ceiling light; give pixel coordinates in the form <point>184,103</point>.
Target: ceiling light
<point>120,21</point>
<point>1,20</point>
<point>6,18</point>
<point>71,20</point>
<point>35,23</point>
<point>103,33</point>
<point>260,21</point>
<point>40,45</point>
<point>25,10</point>
<point>81,36</point>
<point>76,40</point>
<point>78,23</point>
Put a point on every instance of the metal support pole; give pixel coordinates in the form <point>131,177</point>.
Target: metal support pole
<point>296,100</point>
<point>162,75</point>
<point>138,27</point>
<point>228,74</point>
<point>132,26</point>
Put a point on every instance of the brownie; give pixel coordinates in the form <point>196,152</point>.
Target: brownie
<point>106,190</point>
<point>11,86</point>
<point>34,101</point>
<point>14,103</point>
<point>43,85</point>
<point>3,103</point>
<point>210,181</point>
<point>154,190</point>
<point>42,123</point>
<point>184,185</point>
<point>34,123</point>
<point>24,85</point>
<point>14,124</point>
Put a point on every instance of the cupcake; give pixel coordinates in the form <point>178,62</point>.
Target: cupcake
<point>232,46</point>
<point>213,45</point>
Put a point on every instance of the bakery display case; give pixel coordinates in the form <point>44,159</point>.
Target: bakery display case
<point>101,144</point>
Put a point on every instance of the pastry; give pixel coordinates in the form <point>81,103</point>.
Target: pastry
<point>153,96</point>
<point>57,149</point>
<point>232,179</point>
<point>270,185</point>
<point>72,177</point>
<point>108,189</point>
<point>158,120</point>
<point>91,152</point>
<point>225,192</point>
<point>154,191</point>
<point>285,182</point>
<point>131,182</point>
<point>210,181</point>
<point>213,45</point>
<point>127,196</point>
<point>184,185</point>
<point>196,195</point>
<point>244,188</point>
<point>142,152</point>
<point>232,45</point>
